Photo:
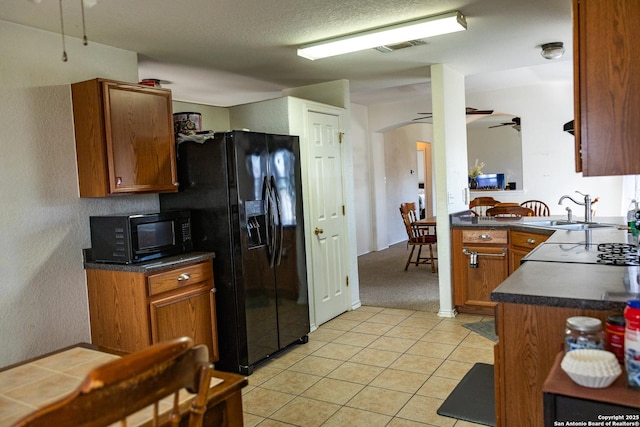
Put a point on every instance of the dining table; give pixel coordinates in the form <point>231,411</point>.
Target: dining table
<point>33,383</point>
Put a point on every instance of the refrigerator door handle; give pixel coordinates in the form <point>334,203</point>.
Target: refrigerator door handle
<point>270,223</point>
<point>280,236</point>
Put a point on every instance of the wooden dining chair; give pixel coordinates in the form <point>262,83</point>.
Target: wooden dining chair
<point>418,235</point>
<point>115,390</point>
<point>479,205</point>
<point>538,207</point>
<point>509,211</point>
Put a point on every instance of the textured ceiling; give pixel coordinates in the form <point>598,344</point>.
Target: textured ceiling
<point>231,52</point>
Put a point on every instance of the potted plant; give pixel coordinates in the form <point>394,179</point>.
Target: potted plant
<point>473,174</point>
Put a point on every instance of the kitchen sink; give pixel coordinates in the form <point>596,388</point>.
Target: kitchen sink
<point>566,225</point>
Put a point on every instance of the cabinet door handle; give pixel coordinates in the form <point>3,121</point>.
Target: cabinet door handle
<point>484,237</point>
<point>477,254</point>
<point>531,241</point>
<point>214,290</point>
<point>183,277</point>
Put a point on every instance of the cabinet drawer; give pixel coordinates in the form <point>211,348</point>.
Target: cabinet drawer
<point>179,277</point>
<point>485,236</point>
<point>527,240</point>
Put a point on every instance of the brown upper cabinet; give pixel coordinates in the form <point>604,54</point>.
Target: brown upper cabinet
<point>124,138</point>
<point>607,87</point>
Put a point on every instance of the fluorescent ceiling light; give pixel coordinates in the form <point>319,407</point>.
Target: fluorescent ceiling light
<point>392,34</point>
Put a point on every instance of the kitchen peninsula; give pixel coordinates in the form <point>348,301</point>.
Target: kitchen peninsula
<point>558,279</point>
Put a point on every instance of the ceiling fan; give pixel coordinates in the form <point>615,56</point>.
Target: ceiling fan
<point>469,111</point>
<point>514,123</point>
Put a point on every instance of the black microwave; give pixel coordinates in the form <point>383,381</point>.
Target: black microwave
<point>126,239</point>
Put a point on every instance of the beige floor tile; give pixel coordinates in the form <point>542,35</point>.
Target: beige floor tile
<point>337,351</point>
<point>423,409</point>
<point>398,312</point>
<point>305,412</point>
<point>262,373</point>
<point>325,334</point>
<point>247,388</point>
<point>264,402</point>
<point>408,332</point>
<point>320,366</point>
<point>356,373</point>
<point>358,314</point>
<point>399,345</point>
<point>370,309</point>
<point>372,328</point>
<point>397,380</point>
<point>451,325</point>
<point>284,360</point>
<point>431,349</point>
<point>371,356</point>
<point>470,318</point>
<point>341,324</point>
<point>401,422</point>
<point>472,355</point>
<point>388,319</point>
<point>425,323</point>
<point>356,338</point>
<point>427,315</point>
<point>418,364</point>
<point>273,423</point>
<point>308,348</point>
<point>291,382</point>
<point>445,337</point>
<point>250,420</point>
<point>379,400</point>
<point>353,417</point>
<point>477,341</point>
<point>454,370</point>
<point>333,391</point>
<point>438,387</point>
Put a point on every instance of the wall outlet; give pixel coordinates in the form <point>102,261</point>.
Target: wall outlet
<point>450,197</point>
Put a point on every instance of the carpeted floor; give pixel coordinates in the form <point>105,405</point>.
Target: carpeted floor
<point>384,283</point>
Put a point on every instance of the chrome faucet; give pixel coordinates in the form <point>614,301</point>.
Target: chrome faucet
<point>586,204</point>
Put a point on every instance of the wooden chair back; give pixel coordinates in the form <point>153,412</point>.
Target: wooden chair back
<point>479,205</point>
<point>409,216</point>
<point>503,211</point>
<point>115,390</point>
<point>538,207</point>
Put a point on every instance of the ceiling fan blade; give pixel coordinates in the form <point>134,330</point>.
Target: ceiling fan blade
<point>500,125</point>
<point>470,111</point>
<point>420,118</point>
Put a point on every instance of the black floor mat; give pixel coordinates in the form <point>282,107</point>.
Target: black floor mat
<point>473,398</point>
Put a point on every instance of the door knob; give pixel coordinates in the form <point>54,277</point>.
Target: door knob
<point>318,231</point>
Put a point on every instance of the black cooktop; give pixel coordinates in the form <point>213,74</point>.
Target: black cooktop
<point>621,254</point>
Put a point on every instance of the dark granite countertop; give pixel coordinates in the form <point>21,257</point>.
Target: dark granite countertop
<point>147,267</point>
<point>556,284</point>
<point>562,284</point>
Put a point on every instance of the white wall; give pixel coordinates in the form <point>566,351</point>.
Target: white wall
<point>402,185</point>
<point>45,225</point>
<point>547,151</point>
<point>499,148</point>
<point>358,133</point>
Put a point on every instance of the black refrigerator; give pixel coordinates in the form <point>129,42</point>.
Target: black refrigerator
<point>245,196</point>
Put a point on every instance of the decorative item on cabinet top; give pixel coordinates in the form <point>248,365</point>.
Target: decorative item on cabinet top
<point>124,138</point>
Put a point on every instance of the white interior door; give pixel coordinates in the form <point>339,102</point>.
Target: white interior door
<point>329,256</point>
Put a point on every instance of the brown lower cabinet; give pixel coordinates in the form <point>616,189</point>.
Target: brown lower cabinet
<point>480,264</point>
<point>130,310</point>
<point>520,244</point>
<point>529,339</point>
<point>498,252</point>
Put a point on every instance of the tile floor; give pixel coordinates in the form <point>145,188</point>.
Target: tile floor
<point>368,367</point>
